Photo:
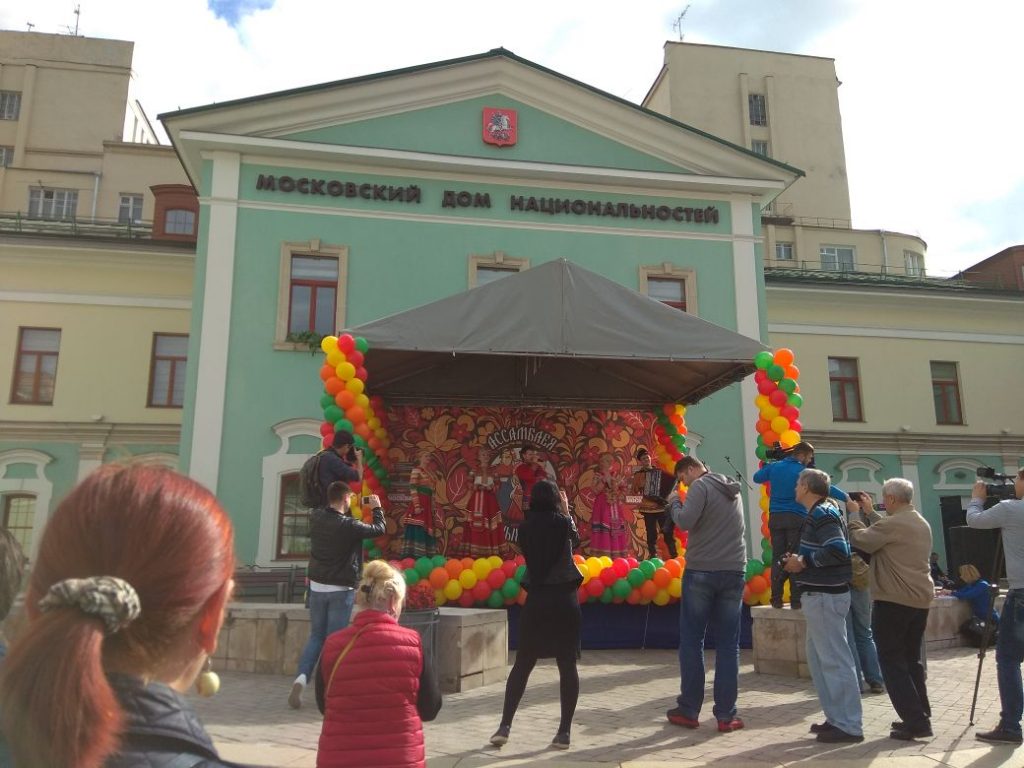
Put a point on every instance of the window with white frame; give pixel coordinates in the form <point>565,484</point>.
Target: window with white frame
<point>671,285</point>
<point>180,221</point>
<point>19,517</point>
<point>783,251</point>
<point>759,147</point>
<point>130,211</point>
<point>6,156</point>
<point>10,105</point>
<point>292,521</point>
<point>837,258</point>
<point>484,269</point>
<point>758,109</point>
<point>50,203</point>
<point>914,263</point>
<point>311,292</point>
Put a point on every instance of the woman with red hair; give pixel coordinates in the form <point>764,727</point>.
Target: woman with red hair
<point>125,602</point>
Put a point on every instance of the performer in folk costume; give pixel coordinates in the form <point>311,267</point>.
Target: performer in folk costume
<point>607,528</point>
<point>654,486</point>
<point>482,534</point>
<point>526,476</point>
<point>419,522</point>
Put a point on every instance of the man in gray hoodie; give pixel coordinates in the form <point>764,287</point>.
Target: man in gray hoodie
<point>716,555</point>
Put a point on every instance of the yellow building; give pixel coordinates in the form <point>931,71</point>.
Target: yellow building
<point>95,273</point>
<point>902,374</point>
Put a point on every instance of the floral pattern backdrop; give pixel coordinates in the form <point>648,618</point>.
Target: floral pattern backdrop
<point>570,443</point>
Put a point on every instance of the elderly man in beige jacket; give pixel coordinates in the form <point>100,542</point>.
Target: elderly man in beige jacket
<point>901,584</point>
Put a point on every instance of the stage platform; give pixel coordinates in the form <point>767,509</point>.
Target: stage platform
<point>631,626</point>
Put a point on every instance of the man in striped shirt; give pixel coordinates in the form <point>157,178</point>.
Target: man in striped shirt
<point>822,569</point>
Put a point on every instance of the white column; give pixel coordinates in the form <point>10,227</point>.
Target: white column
<point>211,381</point>
<point>748,323</point>
<point>90,457</point>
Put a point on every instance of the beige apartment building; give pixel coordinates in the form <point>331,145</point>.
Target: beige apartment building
<point>97,246</point>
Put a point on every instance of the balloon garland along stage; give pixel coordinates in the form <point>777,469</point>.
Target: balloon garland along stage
<point>778,402</point>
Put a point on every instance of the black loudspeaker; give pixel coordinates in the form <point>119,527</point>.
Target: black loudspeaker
<point>952,511</point>
<point>978,547</point>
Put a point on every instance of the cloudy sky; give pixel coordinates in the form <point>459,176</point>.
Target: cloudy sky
<point>931,129</point>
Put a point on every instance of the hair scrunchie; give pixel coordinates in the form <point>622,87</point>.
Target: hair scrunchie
<point>112,600</point>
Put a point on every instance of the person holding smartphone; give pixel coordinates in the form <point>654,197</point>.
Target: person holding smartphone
<point>335,566</point>
<point>342,462</point>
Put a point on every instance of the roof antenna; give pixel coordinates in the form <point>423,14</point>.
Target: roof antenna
<point>677,25</point>
<point>29,24</point>
<point>78,16</point>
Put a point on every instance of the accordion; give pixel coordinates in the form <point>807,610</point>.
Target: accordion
<point>653,484</point>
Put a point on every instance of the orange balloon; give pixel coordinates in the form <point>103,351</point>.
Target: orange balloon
<point>345,399</point>
<point>770,437</point>
<point>467,562</point>
<point>648,589</point>
<point>333,385</point>
<point>453,568</point>
<point>757,584</point>
<point>674,568</point>
<point>792,372</point>
<point>327,372</point>
<point>363,430</point>
<point>438,578</point>
<point>661,578</point>
<point>783,357</point>
<point>357,415</point>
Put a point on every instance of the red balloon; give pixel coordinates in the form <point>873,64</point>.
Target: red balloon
<point>481,591</point>
<point>595,587</point>
<point>328,440</point>
<point>496,578</point>
<point>355,357</point>
<point>621,567</point>
<point>582,594</point>
<point>327,429</point>
<point>795,425</point>
<point>609,576</point>
<point>509,568</point>
<point>767,386</point>
<point>777,398</point>
<point>760,375</point>
<point>789,412</point>
<point>466,599</point>
<point>633,562</point>
<point>346,343</point>
<point>362,373</point>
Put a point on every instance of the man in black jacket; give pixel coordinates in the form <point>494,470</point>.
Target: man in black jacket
<point>335,565</point>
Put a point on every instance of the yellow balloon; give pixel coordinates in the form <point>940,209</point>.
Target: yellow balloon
<point>440,597</point>
<point>769,412</point>
<point>345,370</point>
<point>329,344</point>
<point>582,568</point>
<point>481,568</point>
<point>374,423</point>
<point>763,503</point>
<point>765,597</point>
<point>468,579</point>
<point>362,400</point>
<point>453,589</point>
<point>762,402</point>
<point>594,566</point>
<point>780,424</point>
<point>355,386</point>
<point>494,561</point>
<point>380,432</point>
<point>606,562</point>
<point>661,597</point>
<point>789,438</point>
<point>335,357</point>
<point>675,587</point>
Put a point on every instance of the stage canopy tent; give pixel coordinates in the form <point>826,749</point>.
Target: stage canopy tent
<point>553,335</point>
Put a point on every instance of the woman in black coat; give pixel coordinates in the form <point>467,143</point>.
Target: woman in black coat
<point>549,626</point>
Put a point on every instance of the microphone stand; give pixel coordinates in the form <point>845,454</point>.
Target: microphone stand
<point>739,475</point>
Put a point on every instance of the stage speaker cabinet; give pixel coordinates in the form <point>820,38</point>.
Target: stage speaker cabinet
<point>978,547</point>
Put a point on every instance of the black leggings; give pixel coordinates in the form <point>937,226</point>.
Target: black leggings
<point>568,687</point>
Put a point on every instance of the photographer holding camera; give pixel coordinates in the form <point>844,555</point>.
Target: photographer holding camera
<point>786,515</point>
<point>1007,515</point>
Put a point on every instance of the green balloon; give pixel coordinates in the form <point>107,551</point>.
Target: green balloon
<point>375,553</point>
<point>438,561</point>
<point>332,413</point>
<point>657,562</point>
<point>761,452</point>
<point>344,424</point>
<point>510,589</point>
<point>766,556</point>
<point>411,576</point>
<point>788,386</point>
<point>359,442</point>
<point>607,596</point>
<point>756,567</point>
<point>520,573</point>
<point>763,359</point>
<point>362,344</point>
<point>796,400</point>
<point>424,565</point>
<point>326,399</point>
<point>635,577</point>
<point>495,599</point>
<point>679,442</point>
<point>647,568</point>
<point>380,473</point>
<point>765,543</point>
<point>621,588</point>
<point>775,372</point>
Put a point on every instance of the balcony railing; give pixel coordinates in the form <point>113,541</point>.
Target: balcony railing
<point>810,271</point>
<point>74,226</point>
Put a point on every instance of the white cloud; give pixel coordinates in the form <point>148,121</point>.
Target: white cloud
<point>929,108</point>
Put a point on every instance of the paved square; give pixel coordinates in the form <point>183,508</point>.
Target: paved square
<point>621,721</point>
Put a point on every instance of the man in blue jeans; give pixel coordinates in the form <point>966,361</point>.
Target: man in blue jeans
<point>712,591</point>
<point>1007,515</point>
<point>335,566</point>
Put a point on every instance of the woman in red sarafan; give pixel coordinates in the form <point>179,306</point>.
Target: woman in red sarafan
<point>418,539</point>
<point>527,474</point>
<point>482,534</point>
<point>608,529</point>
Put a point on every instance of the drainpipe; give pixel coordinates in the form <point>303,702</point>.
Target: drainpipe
<point>95,193</point>
<point>885,253</point>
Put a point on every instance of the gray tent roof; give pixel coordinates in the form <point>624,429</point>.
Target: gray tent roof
<point>556,334</point>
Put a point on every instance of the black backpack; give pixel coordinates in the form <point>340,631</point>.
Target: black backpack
<point>311,494</point>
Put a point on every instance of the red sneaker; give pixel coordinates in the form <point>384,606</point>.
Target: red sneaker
<point>727,726</point>
<point>676,717</point>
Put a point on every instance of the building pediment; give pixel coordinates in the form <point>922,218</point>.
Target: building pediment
<point>435,112</point>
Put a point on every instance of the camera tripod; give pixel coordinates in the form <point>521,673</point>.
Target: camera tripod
<point>997,567</point>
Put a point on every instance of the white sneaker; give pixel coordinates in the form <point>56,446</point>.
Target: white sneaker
<point>295,697</point>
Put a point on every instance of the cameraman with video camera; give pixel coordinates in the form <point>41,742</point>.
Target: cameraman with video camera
<point>785,515</point>
<point>1007,515</point>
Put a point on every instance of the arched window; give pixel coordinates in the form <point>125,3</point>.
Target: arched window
<point>19,515</point>
<point>292,521</point>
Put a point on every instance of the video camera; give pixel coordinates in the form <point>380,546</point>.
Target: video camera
<point>999,485</point>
